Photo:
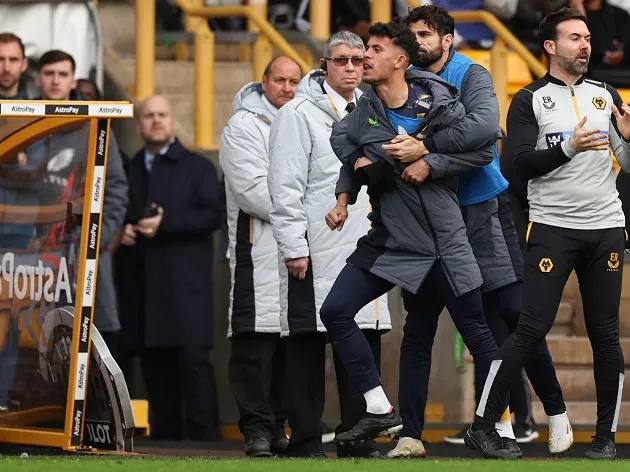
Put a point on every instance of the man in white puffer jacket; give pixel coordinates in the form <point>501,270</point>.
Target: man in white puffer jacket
<point>303,173</point>
<point>256,366</point>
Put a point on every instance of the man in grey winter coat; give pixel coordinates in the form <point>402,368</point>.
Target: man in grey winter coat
<point>57,82</point>
<point>256,366</point>
<point>303,172</point>
<point>418,238</point>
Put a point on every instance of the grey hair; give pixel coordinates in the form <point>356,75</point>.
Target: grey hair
<point>347,38</point>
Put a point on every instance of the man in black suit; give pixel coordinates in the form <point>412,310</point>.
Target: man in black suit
<point>174,209</point>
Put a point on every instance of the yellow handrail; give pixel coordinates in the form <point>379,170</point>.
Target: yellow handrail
<point>248,12</point>
<point>204,56</point>
<point>502,32</point>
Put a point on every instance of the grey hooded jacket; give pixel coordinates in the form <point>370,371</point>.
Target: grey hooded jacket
<point>414,226</point>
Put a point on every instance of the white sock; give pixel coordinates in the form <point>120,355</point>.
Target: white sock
<point>505,429</point>
<point>557,423</point>
<point>377,402</point>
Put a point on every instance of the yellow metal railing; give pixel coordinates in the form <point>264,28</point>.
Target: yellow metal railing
<point>204,55</point>
<point>499,53</point>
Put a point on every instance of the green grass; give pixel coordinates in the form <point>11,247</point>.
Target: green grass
<point>176,464</point>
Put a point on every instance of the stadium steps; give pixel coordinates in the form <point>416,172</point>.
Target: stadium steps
<point>573,358</point>
<point>174,79</point>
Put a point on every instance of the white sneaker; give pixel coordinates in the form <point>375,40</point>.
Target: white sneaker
<point>560,434</point>
<point>406,448</point>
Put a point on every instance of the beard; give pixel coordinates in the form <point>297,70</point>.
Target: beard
<point>428,58</point>
<point>571,64</point>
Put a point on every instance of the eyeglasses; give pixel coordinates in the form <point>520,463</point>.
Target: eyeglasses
<point>342,61</point>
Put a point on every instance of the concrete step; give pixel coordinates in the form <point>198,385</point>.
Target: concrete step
<point>580,413</point>
<point>576,350</point>
<point>578,384</point>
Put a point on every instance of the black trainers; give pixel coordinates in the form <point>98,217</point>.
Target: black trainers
<point>367,450</point>
<point>371,426</point>
<point>257,447</point>
<point>601,448</point>
<point>512,445</point>
<point>279,443</point>
<point>457,438</point>
<point>489,444</point>
<point>525,433</point>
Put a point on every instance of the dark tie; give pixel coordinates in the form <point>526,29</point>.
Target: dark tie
<point>350,106</point>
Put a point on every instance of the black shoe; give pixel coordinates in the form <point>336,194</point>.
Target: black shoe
<point>512,445</point>
<point>279,443</point>
<point>371,426</point>
<point>601,448</point>
<point>257,447</point>
<point>367,450</point>
<point>457,438</point>
<point>489,444</point>
<point>525,433</point>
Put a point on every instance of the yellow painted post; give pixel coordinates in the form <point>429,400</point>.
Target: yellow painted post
<point>260,6</point>
<point>145,49</point>
<point>244,52</point>
<point>181,51</point>
<point>262,55</point>
<point>320,19</point>
<point>381,10</point>
<point>498,68</point>
<point>204,87</point>
<point>191,23</point>
<point>262,51</point>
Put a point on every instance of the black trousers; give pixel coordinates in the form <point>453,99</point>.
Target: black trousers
<point>176,380</point>
<point>306,393</point>
<point>256,372</point>
<point>520,397</point>
<point>552,254</point>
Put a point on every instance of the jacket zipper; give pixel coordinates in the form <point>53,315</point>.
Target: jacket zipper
<point>575,103</point>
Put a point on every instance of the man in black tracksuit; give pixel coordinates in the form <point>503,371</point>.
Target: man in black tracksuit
<point>576,223</point>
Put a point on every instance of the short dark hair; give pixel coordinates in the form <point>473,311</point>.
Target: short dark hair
<point>436,18</point>
<point>97,92</point>
<point>54,56</point>
<point>8,38</point>
<point>400,35</point>
<point>548,28</point>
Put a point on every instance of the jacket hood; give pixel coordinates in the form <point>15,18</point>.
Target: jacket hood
<point>311,89</point>
<point>443,92</point>
<point>249,99</point>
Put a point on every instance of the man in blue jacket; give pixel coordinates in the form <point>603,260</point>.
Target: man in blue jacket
<point>485,206</point>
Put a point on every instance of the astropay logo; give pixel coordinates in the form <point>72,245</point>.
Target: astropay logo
<point>110,110</point>
<point>79,390</point>
<point>35,281</point>
<point>77,422</point>
<point>66,110</point>
<point>93,231</point>
<point>85,326</point>
<point>23,109</point>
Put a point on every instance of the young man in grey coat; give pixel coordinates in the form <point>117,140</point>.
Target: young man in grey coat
<point>418,237</point>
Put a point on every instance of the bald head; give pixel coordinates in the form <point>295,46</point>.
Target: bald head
<point>156,124</point>
<point>280,80</point>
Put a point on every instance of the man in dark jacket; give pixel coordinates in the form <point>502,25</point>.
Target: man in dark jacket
<point>418,238</point>
<point>56,80</point>
<point>486,209</point>
<point>174,209</point>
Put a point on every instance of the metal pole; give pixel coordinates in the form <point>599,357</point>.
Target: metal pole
<point>145,49</point>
